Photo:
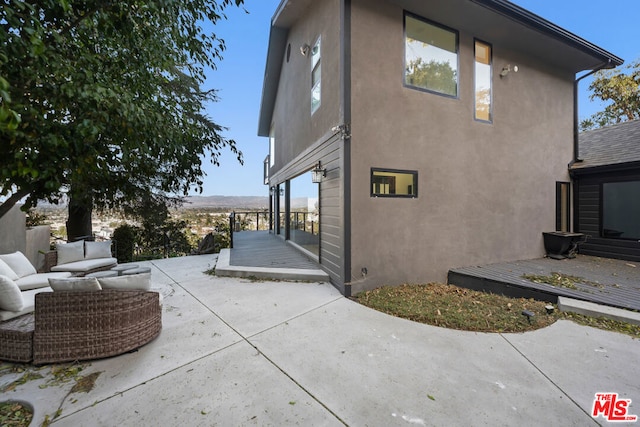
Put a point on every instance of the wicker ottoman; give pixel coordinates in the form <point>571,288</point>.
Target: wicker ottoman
<point>16,339</point>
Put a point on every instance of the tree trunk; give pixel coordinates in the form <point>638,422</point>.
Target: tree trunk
<point>79,220</point>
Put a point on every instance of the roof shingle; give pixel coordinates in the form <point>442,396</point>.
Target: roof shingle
<point>611,145</point>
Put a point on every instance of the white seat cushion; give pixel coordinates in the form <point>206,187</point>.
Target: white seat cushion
<point>140,282</point>
<point>40,280</point>
<point>10,295</point>
<point>94,250</point>
<point>5,270</point>
<point>29,303</point>
<point>70,252</point>
<point>85,265</point>
<point>19,264</point>
<point>75,284</point>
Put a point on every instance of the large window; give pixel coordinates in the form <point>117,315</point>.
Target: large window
<point>304,216</point>
<point>621,210</point>
<point>483,81</point>
<point>393,183</point>
<point>431,56</point>
<point>316,71</point>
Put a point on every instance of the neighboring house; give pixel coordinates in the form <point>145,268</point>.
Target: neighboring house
<point>443,129</point>
<point>607,187</point>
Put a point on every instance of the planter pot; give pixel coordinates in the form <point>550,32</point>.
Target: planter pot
<point>561,244</point>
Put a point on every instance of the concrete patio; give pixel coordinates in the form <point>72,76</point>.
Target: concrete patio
<point>236,352</point>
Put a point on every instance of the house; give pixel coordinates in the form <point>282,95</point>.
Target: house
<point>607,188</point>
<point>439,131</point>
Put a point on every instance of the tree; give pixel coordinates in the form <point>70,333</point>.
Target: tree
<point>432,75</point>
<point>108,100</point>
<point>621,92</point>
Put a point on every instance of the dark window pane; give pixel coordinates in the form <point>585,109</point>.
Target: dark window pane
<point>394,183</point>
<point>621,210</point>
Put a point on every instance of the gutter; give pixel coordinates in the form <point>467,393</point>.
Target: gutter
<point>576,133</point>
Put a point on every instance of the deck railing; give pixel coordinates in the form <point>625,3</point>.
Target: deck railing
<point>259,221</point>
<point>247,221</point>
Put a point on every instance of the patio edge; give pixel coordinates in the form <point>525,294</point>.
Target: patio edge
<point>225,269</point>
<point>597,310</point>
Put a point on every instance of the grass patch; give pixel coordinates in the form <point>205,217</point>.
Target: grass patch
<point>15,414</point>
<point>457,308</point>
<point>563,281</point>
<point>453,307</point>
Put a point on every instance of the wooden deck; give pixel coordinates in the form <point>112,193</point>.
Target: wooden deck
<point>606,281</point>
<point>265,250</point>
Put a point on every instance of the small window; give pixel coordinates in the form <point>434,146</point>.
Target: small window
<point>265,171</point>
<point>483,81</point>
<point>288,52</point>
<point>431,56</point>
<point>316,71</point>
<point>563,211</point>
<point>393,183</point>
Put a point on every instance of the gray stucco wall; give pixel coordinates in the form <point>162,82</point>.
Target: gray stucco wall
<point>486,191</point>
<point>296,129</point>
<point>37,244</point>
<point>13,231</point>
<point>14,236</point>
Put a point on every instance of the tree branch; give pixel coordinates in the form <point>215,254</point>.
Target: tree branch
<point>11,201</point>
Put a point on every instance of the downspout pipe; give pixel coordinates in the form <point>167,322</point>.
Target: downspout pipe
<point>576,133</point>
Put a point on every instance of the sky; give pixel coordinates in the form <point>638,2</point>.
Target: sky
<point>609,24</point>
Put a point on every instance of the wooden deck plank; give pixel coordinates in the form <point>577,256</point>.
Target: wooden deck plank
<point>610,282</point>
<point>262,249</point>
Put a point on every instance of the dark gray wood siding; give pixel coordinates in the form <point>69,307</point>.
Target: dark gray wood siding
<point>328,152</point>
<point>589,216</point>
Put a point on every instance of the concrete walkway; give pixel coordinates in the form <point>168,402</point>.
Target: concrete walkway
<point>235,352</point>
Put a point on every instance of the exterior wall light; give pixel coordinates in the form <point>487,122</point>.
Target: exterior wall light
<point>304,49</point>
<point>318,173</point>
<point>507,69</point>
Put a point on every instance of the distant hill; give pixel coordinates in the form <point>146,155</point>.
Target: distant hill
<point>238,202</point>
<point>221,202</point>
<point>231,202</point>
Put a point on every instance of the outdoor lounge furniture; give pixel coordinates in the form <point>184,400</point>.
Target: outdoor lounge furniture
<point>70,325</point>
<point>80,258</point>
<point>77,318</point>
<point>18,268</point>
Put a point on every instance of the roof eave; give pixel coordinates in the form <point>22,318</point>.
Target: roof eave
<point>273,67</point>
<point>524,17</point>
<point>615,167</point>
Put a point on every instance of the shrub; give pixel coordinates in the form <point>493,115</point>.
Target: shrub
<point>125,237</point>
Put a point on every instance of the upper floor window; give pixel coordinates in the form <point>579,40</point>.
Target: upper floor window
<point>483,81</point>
<point>315,76</point>
<point>431,56</point>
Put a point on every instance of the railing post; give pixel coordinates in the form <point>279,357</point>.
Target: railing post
<point>232,225</point>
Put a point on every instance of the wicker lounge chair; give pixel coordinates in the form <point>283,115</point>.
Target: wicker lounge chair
<point>69,326</point>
